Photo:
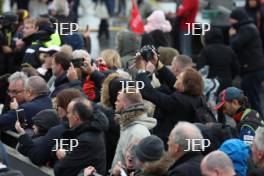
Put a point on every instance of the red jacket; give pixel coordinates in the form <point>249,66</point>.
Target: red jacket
<point>187,11</point>
<point>89,87</point>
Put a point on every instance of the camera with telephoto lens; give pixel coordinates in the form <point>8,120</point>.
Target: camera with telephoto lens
<point>147,52</point>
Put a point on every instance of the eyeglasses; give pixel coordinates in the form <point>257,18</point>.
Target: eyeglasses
<point>14,92</point>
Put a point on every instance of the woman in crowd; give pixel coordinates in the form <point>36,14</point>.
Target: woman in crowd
<point>178,106</point>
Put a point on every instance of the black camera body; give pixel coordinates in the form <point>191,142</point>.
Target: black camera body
<point>79,62</point>
<point>147,52</point>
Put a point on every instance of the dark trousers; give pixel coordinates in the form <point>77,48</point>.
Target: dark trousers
<point>103,28</point>
<point>251,85</point>
<point>22,4</point>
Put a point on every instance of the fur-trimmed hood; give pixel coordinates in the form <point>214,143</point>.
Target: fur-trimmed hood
<point>157,168</point>
<point>135,114</point>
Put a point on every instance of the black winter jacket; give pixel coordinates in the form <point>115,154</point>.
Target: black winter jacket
<point>39,152</point>
<point>221,59</point>
<point>170,108</point>
<point>90,150</point>
<point>247,45</point>
<point>187,165</point>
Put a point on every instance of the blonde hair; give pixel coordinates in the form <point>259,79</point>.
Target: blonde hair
<point>111,58</point>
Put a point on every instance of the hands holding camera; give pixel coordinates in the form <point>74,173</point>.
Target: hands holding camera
<point>147,59</point>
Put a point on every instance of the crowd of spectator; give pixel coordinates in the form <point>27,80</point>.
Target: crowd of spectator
<point>144,108</point>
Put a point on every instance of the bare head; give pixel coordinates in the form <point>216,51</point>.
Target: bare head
<point>180,137</point>
<point>217,163</point>
<point>258,148</point>
<point>180,63</point>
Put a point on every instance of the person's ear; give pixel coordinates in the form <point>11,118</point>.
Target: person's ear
<point>235,103</point>
<point>176,148</point>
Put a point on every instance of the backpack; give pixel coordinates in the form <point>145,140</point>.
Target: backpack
<point>203,114</point>
<point>251,119</point>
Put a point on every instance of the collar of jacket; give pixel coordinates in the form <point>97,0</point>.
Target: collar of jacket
<point>130,114</point>
<point>186,157</point>
<point>40,96</point>
<point>99,122</point>
<point>237,117</point>
<point>159,167</point>
<point>61,79</point>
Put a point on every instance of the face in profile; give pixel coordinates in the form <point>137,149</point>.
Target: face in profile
<point>179,83</point>
<point>119,104</point>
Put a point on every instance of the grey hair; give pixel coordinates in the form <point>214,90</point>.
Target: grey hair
<point>220,160</point>
<point>184,61</point>
<point>76,54</point>
<point>184,132</point>
<point>259,139</point>
<point>18,76</point>
<point>37,85</point>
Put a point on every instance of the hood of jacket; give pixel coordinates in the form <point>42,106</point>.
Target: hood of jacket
<point>241,16</point>
<point>213,36</point>
<point>99,122</point>
<point>44,120</point>
<point>157,20</point>
<point>135,114</point>
<point>128,43</point>
<point>159,167</point>
<point>239,153</point>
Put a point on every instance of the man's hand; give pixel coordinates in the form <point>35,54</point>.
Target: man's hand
<point>117,168</point>
<point>89,170</point>
<point>155,59</point>
<point>140,63</point>
<point>71,73</point>
<point>19,44</point>
<point>19,129</point>
<point>14,104</point>
<point>232,31</point>
<point>61,153</point>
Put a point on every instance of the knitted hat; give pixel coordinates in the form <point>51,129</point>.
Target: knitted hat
<point>150,148</point>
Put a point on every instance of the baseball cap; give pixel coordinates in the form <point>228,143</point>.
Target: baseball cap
<point>52,48</point>
<point>229,94</point>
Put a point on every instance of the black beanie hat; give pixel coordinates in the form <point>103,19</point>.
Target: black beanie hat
<point>150,148</point>
<point>239,14</point>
